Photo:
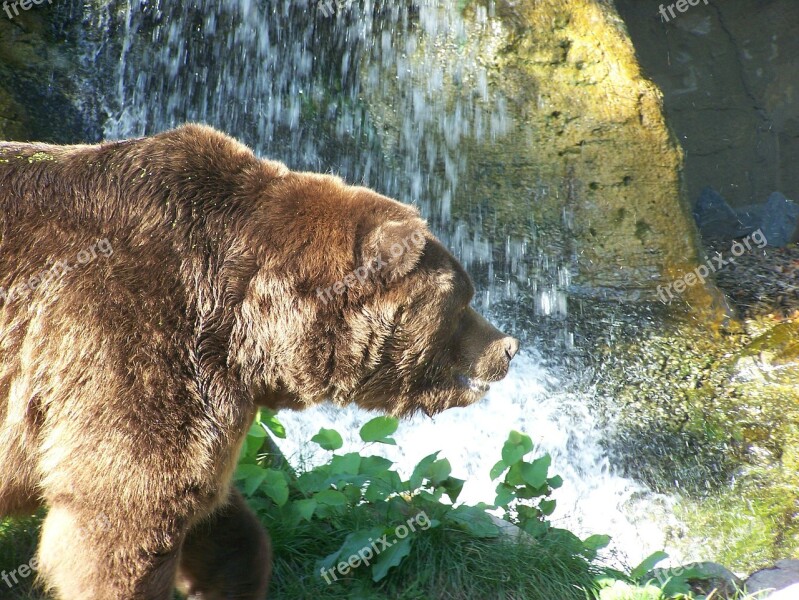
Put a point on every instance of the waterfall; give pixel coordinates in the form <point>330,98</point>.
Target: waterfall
<point>364,90</point>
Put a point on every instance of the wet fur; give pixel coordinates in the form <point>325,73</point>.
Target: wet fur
<point>127,385</point>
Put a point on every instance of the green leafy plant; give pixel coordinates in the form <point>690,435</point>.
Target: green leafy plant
<point>524,495</point>
<point>353,481</point>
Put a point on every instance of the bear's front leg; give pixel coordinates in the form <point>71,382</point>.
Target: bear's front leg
<point>87,554</point>
<point>227,555</point>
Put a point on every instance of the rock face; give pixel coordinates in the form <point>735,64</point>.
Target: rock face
<point>777,219</point>
<point>729,73</point>
<point>581,154</point>
<point>39,94</point>
<point>784,574</point>
<point>789,593</point>
<point>780,220</point>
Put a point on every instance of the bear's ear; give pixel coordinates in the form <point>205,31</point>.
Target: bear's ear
<point>392,249</point>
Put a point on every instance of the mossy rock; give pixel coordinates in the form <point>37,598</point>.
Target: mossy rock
<point>774,355</point>
<point>39,64</point>
<point>580,161</point>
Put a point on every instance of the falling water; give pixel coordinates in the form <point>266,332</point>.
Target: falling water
<point>366,90</point>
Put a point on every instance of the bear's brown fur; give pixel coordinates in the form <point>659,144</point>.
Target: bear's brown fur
<point>153,292</point>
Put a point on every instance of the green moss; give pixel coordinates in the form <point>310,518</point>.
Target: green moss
<point>711,415</point>
<point>749,526</point>
<point>40,157</point>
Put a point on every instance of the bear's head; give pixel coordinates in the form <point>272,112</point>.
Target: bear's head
<point>356,301</point>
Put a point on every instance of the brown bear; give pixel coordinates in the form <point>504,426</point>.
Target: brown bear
<point>153,293</point>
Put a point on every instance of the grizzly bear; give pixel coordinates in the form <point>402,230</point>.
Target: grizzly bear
<point>153,293</point>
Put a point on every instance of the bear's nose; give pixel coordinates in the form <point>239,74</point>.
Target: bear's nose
<point>511,346</point>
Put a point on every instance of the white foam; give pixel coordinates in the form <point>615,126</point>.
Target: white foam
<point>593,499</point>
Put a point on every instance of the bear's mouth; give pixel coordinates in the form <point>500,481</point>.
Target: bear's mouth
<point>478,386</point>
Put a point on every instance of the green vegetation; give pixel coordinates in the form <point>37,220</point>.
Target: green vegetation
<point>355,528</point>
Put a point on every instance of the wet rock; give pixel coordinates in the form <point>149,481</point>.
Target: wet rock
<point>789,593</point>
<point>728,72</point>
<point>716,219</point>
<point>576,155</point>
<point>780,223</point>
<point>507,529</point>
<point>704,577</point>
<point>771,357</point>
<point>750,216</point>
<point>783,575</point>
<point>39,96</point>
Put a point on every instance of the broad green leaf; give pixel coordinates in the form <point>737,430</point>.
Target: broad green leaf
<point>505,494</point>
<point>534,474</point>
<point>517,445</point>
<point>269,419</point>
<point>453,487</point>
<point>345,464</point>
<point>329,561</point>
<point>438,471</point>
<point>330,498</point>
<point>377,491</point>
<point>529,513</point>
<point>638,573</point>
<point>421,469</point>
<point>514,474</point>
<point>512,453</point>
<point>555,482</point>
<point>374,465</point>
<point>305,508</point>
<point>358,543</point>
<point>276,486</point>
<point>498,469</point>
<point>678,585</point>
<point>382,485</point>
<point>547,507</point>
<point>257,431</point>
<point>253,477</point>
<point>535,528</point>
<point>352,492</point>
<point>254,440</point>
<point>566,539</point>
<point>244,471</point>
<point>315,480</point>
<point>378,430</point>
<point>329,439</point>
<point>434,496</point>
<point>391,557</point>
<point>474,520</point>
<point>596,542</point>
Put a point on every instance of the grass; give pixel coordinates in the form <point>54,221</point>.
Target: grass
<point>18,539</point>
<point>443,564</point>
<point>447,564</point>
